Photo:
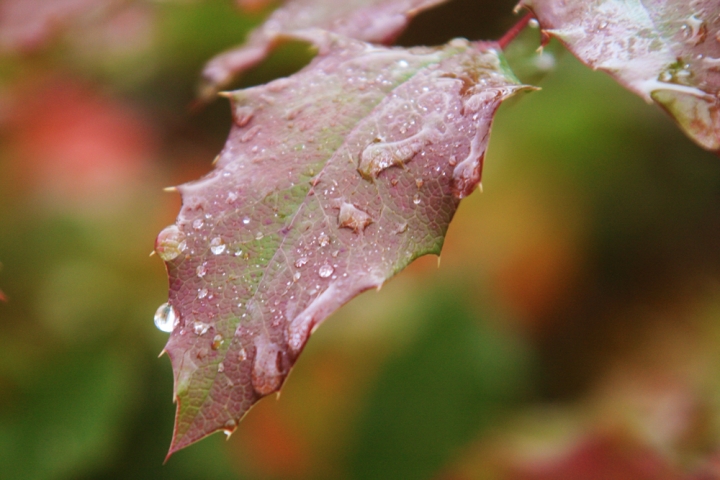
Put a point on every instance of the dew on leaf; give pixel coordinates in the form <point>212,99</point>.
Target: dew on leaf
<point>296,276</point>
<point>200,328</point>
<point>242,355</point>
<point>217,342</point>
<point>230,425</point>
<point>323,240</point>
<point>201,270</point>
<point>221,367</point>
<point>217,246</point>
<point>202,293</point>
<point>198,223</point>
<point>166,318</point>
<point>326,270</point>
<point>353,218</point>
<point>300,262</point>
<point>246,220</point>
<point>259,236</point>
<point>170,243</point>
<point>416,199</point>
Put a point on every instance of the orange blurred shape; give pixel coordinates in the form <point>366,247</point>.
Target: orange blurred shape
<point>71,143</point>
<point>253,6</point>
<point>270,446</point>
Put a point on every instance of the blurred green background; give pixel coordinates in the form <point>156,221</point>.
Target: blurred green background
<point>572,329</point>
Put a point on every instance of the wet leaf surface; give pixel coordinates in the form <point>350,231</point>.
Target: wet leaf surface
<point>331,181</point>
<point>665,51</point>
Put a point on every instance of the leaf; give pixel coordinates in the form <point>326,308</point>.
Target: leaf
<point>667,51</point>
<point>331,181</point>
<point>378,21</point>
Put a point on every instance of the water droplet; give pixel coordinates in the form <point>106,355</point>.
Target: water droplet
<point>232,196</point>
<point>246,220</point>
<point>201,270</point>
<point>202,293</point>
<point>416,199</point>
<point>335,253</point>
<point>419,182</point>
<point>238,252</point>
<point>300,262</point>
<point>166,318</point>
<point>353,218</point>
<point>200,328</point>
<point>198,223</point>
<point>533,23</point>
<point>323,240</point>
<point>403,64</point>
<point>259,236</point>
<point>242,355</point>
<point>242,115</point>
<point>217,246</point>
<point>379,156</point>
<point>694,30</point>
<point>230,425</point>
<point>217,342</point>
<point>221,367</point>
<point>326,270</point>
<point>296,276</point>
<point>170,243</point>
<point>402,228</point>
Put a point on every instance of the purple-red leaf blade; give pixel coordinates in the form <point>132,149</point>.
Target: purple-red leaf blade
<point>666,51</point>
<point>375,21</point>
<point>331,181</point>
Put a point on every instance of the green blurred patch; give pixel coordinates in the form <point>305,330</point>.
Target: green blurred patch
<point>456,379</point>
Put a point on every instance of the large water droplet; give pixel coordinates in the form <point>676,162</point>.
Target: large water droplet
<point>217,246</point>
<point>353,218</point>
<point>166,318</point>
<point>326,270</point>
<point>170,243</point>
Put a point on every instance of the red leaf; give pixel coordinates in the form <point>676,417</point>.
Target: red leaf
<point>667,51</point>
<point>331,181</point>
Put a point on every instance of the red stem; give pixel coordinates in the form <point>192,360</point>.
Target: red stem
<point>515,30</point>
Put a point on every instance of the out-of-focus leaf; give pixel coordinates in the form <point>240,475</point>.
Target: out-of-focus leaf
<point>26,25</point>
<point>666,51</point>
<point>331,181</point>
<point>377,21</point>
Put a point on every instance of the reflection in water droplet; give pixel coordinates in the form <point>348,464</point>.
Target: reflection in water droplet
<point>217,246</point>
<point>300,262</point>
<point>201,270</point>
<point>166,318</point>
<point>326,270</point>
<point>170,243</point>
<point>200,328</point>
<point>416,199</point>
<point>353,218</point>
<point>230,425</point>
<point>217,342</point>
